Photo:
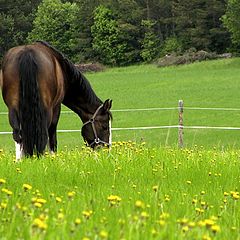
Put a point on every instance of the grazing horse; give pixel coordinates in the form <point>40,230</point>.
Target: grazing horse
<point>35,80</point>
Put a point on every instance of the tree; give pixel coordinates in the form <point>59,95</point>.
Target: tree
<point>232,22</point>
<point>150,43</point>
<point>198,25</point>
<point>6,32</point>
<point>16,19</point>
<point>106,37</point>
<point>85,21</point>
<point>56,22</point>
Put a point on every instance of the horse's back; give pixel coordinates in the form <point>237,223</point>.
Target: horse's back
<point>49,75</point>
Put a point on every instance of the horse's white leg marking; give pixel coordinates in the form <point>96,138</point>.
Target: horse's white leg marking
<point>19,151</point>
<point>110,132</point>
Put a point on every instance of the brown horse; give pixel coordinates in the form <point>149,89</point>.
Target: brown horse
<point>35,80</point>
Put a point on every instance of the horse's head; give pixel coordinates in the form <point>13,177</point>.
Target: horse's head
<point>97,130</point>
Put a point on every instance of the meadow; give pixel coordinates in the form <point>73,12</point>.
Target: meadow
<point>144,187</point>
<point>206,84</point>
<point>130,192</point>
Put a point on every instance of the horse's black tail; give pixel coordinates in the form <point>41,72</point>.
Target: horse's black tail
<point>32,115</point>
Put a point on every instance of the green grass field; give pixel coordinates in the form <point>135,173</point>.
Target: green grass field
<point>145,188</point>
<point>132,192</point>
<point>205,84</point>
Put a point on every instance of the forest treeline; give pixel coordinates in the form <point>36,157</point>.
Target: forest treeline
<point>121,32</point>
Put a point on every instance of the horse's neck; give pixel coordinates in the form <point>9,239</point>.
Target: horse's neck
<point>83,109</point>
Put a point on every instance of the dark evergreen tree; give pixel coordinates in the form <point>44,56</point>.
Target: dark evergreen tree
<point>16,22</point>
<point>198,24</point>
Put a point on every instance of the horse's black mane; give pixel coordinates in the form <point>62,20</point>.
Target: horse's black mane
<point>73,75</point>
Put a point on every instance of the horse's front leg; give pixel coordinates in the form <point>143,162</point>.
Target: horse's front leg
<point>15,124</point>
<point>52,130</point>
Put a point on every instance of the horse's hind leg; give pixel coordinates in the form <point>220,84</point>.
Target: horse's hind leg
<point>52,130</point>
<point>15,124</point>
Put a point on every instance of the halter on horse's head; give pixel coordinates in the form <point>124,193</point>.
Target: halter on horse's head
<point>101,119</point>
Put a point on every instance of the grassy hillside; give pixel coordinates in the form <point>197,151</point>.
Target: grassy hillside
<point>205,84</point>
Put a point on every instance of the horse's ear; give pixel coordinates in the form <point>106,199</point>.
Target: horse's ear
<point>107,105</point>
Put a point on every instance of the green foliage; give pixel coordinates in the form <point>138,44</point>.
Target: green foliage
<point>56,22</point>
<point>106,37</point>
<point>232,21</point>
<point>197,24</point>
<point>15,22</point>
<point>69,26</point>
<point>150,42</point>
<point>6,32</point>
<point>171,45</point>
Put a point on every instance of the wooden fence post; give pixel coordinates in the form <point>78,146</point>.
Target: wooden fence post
<point>180,123</point>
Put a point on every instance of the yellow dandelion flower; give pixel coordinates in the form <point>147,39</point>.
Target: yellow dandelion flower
<point>43,217</point>
<point>167,199</point>
<point>103,234</point>
<point>60,216</point>
<point>164,215</point>
<point>209,222</point>
<point>77,221</point>
<point>144,215</point>
<point>27,187</point>
<point>183,221</point>
<point>71,194</point>
<point>18,206</point>
<point>41,200</point>
<point>206,237</point>
<point>139,204</point>
<point>8,192</point>
<point>194,201</point>
<point>18,170</point>
<point>162,223</point>
<point>87,214</point>
<point>2,181</point>
<point>24,209</point>
<point>114,199</point>
<point>37,204</point>
<point>185,229</point>
<point>58,199</point>
<point>191,224</point>
<point>215,228</point>
<point>39,224</point>
<point>201,223</point>
<point>189,182</point>
<point>3,205</point>
<point>199,210</point>
<point>235,196</point>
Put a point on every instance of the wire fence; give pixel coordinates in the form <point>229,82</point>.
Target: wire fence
<point>179,126</point>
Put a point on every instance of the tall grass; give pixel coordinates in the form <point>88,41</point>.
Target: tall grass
<point>132,192</point>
